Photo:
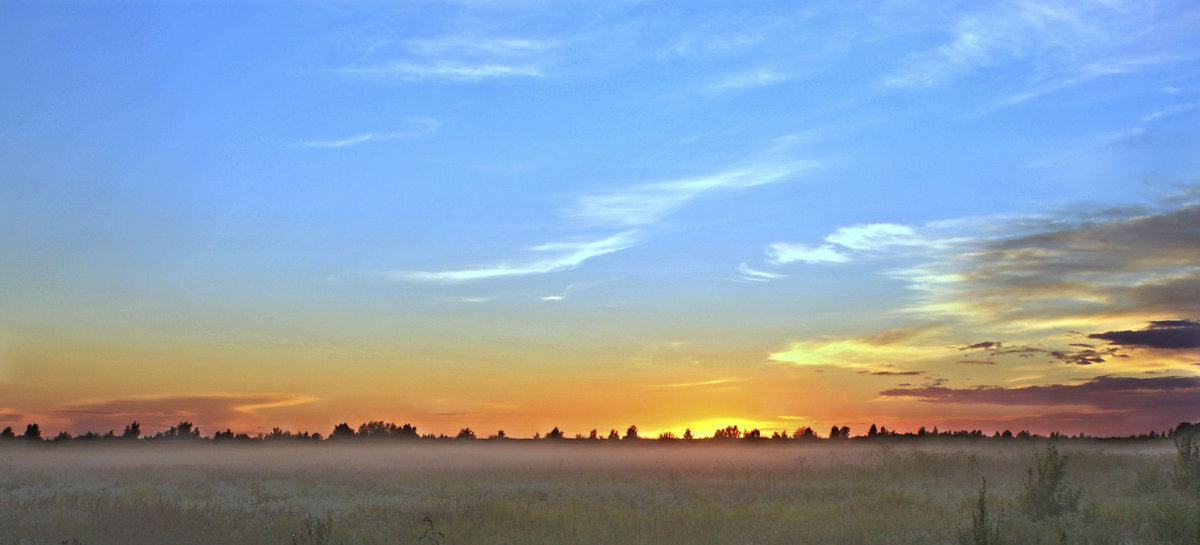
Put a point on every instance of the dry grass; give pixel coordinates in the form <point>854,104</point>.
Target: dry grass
<point>523,493</point>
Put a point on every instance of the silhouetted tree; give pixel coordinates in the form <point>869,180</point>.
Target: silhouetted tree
<point>873,431</point>
<point>223,435</point>
<point>687,434</point>
<point>132,431</point>
<point>376,429</point>
<point>753,434</point>
<point>465,433</point>
<point>33,432</point>
<point>728,432</point>
<point>554,433</point>
<point>407,431</point>
<point>804,433</point>
<point>592,435</point>
<point>7,433</point>
<point>342,431</point>
<point>631,433</point>
<point>184,430</point>
<point>844,432</point>
<point>613,435</point>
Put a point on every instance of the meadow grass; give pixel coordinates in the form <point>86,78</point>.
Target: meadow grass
<point>537,493</point>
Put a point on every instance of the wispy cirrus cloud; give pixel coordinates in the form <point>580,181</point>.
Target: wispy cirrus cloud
<point>551,257</point>
<point>633,208</point>
<point>419,127</point>
<point>1043,47</point>
<point>645,204</point>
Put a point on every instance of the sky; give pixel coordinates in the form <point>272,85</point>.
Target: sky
<point>590,215</point>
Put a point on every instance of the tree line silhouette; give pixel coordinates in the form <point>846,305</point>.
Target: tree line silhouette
<point>380,430</point>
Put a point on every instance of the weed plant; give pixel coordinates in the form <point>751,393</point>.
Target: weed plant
<point>983,531</point>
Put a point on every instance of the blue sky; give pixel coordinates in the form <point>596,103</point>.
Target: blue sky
<point>566,193</point>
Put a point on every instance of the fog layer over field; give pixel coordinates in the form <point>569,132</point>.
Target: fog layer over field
<point>541,492</point>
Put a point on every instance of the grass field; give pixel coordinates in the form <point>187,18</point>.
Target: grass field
<point>524,492</point>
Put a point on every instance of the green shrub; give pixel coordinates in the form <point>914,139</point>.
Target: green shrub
<point>1046,493</point>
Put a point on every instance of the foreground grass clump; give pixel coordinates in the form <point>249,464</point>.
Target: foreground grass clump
<point>847,493</point>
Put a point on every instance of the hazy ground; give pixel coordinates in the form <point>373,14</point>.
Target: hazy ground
<point>524,492</point>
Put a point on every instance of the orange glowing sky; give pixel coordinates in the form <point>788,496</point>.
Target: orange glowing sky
<point>520,216</point>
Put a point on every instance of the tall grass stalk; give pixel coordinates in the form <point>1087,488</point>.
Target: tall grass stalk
<point>982,532</point>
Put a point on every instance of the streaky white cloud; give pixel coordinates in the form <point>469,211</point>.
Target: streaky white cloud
<point>475,300</point>
<point>563,256</point>
<point>648,203</point>
<point>759,77</point>
<point>459,58</point>
<point>420,127</point>
<point>445,70</point>
<point>757,275</point>
<point>1171,111</point>
<point>784,252</point>
<point>472,45</point>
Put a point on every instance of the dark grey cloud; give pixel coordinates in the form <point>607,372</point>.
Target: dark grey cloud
<point>897,373</point>
<point>1173,334</point>
<point>1129,262</point>
<point>985,345</point>
<point>1084,355</point>
<point>975,362</point>
<point>1174,395</point>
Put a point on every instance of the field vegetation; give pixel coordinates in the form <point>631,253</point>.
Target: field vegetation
<point>651,492</point>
